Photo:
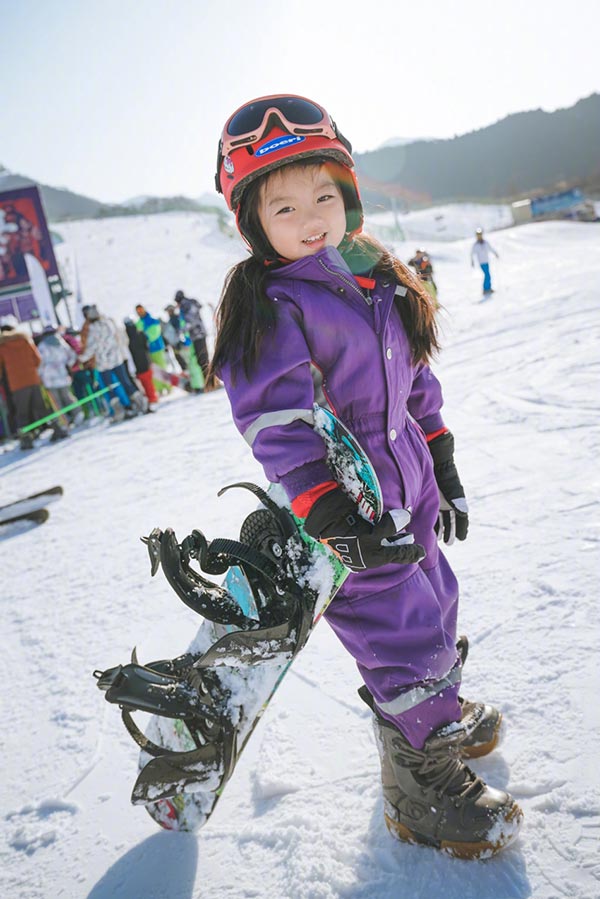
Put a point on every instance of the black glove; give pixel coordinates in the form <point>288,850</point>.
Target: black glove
<point>453,520</point>
<point>334,520</point>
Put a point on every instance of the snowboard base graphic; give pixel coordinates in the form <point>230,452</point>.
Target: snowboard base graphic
<point>279,581</point>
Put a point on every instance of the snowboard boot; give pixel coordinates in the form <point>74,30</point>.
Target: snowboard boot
<point>139,402</point>
<point>432,798</point>
<point>117,411</point>
<point>485,734</point>
<point>59,433</point>
<point>26,442</point>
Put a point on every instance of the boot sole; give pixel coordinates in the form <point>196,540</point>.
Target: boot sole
<point>479,749</point>
<point>458,849</point>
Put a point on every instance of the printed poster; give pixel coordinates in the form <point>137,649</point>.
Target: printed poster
<point>23,231</point>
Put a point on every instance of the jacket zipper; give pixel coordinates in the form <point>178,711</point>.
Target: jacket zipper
<point>351,284</point>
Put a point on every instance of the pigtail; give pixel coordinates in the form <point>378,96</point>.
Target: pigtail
<point>417,309</point>
<point>244,316</point>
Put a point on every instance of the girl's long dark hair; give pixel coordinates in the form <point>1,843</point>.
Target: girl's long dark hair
<point>246,314</point>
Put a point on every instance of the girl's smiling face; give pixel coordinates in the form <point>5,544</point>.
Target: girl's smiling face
<point>301,210</point>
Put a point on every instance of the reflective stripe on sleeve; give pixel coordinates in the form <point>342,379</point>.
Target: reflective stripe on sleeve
<point>273,419</point>
<point>416,695</point>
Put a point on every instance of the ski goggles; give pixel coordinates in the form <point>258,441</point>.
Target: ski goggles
<point>296,114</point>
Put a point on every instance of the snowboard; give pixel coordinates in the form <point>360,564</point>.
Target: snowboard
<point>29,504</point>
<point>20,524</point>
<point>175,379</point>
<point>234,665</point>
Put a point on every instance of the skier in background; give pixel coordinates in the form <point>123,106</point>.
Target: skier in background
<point>175,336</point>
<point>422,265</point>
<point>152,329</point>
<point>82,379</point>
<point>101,344</point>
<point>319,311</point>
<point>19,364</point>
<point>57,359</point>
<point>481,250</point>
<point>138,347</point>
<point>185,353</point>
<point>190,311</point>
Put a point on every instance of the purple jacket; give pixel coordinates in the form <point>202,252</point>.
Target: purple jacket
<point>331,343</point>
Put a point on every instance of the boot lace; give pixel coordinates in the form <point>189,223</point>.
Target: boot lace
<point>439,768</point>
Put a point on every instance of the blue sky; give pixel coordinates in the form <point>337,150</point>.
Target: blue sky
<point>116,98</point>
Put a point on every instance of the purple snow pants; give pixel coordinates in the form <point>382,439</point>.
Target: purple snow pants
<point>399,621</point>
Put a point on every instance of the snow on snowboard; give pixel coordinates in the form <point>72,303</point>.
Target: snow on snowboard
<point>207,702</point>
<point>23,514</point>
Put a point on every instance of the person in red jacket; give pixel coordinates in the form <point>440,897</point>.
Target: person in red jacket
<point>19,363</point>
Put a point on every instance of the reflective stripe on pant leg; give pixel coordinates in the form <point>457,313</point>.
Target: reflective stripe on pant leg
<point>420,693</point>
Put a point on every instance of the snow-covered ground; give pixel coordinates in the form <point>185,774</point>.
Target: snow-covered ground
<point>302,816</point>
<point>441,223</point>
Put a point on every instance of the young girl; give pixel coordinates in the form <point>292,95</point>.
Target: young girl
<point>319,312</point>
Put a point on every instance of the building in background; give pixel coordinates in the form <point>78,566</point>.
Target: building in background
<point>566,204</point>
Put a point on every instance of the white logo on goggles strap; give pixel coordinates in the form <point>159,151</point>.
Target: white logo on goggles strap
<point>228,165</point>
<point>278,143</point>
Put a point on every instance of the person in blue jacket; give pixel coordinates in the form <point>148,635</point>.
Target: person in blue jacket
<point>156,346</point>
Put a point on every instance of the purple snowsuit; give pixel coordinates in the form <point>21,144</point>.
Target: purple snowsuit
<point>333,344</point>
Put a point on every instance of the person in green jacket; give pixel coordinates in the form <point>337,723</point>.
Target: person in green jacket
<point>156,344</point>
<point>185,350</point>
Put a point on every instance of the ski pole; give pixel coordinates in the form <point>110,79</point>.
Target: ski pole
<point>43,421</point>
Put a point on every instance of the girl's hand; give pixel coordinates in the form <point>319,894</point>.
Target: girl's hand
<point>334,520</point>
<point>453,519</point>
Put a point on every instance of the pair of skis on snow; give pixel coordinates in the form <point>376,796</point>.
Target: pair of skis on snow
<point>24,514</point>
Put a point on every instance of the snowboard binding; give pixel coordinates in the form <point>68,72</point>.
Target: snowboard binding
<point>270,557</point>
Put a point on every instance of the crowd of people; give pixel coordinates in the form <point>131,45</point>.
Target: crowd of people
<point>103,369</point>
<point>100,369</point>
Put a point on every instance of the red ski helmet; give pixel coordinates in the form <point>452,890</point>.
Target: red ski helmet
<point>270,132</point>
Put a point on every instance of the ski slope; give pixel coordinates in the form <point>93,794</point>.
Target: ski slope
<point>302,817</point>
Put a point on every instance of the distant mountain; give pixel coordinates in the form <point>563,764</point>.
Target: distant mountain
<point>148,204</point>
<point>401,141</point>
<point>62,204</point>
<point>523,154</point>
<point>137,201</point>
<point>59,203</point>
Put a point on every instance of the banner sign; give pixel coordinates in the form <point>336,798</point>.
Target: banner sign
<point>556,202</point>
<point>23,231</point>
<point>21,306</point>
